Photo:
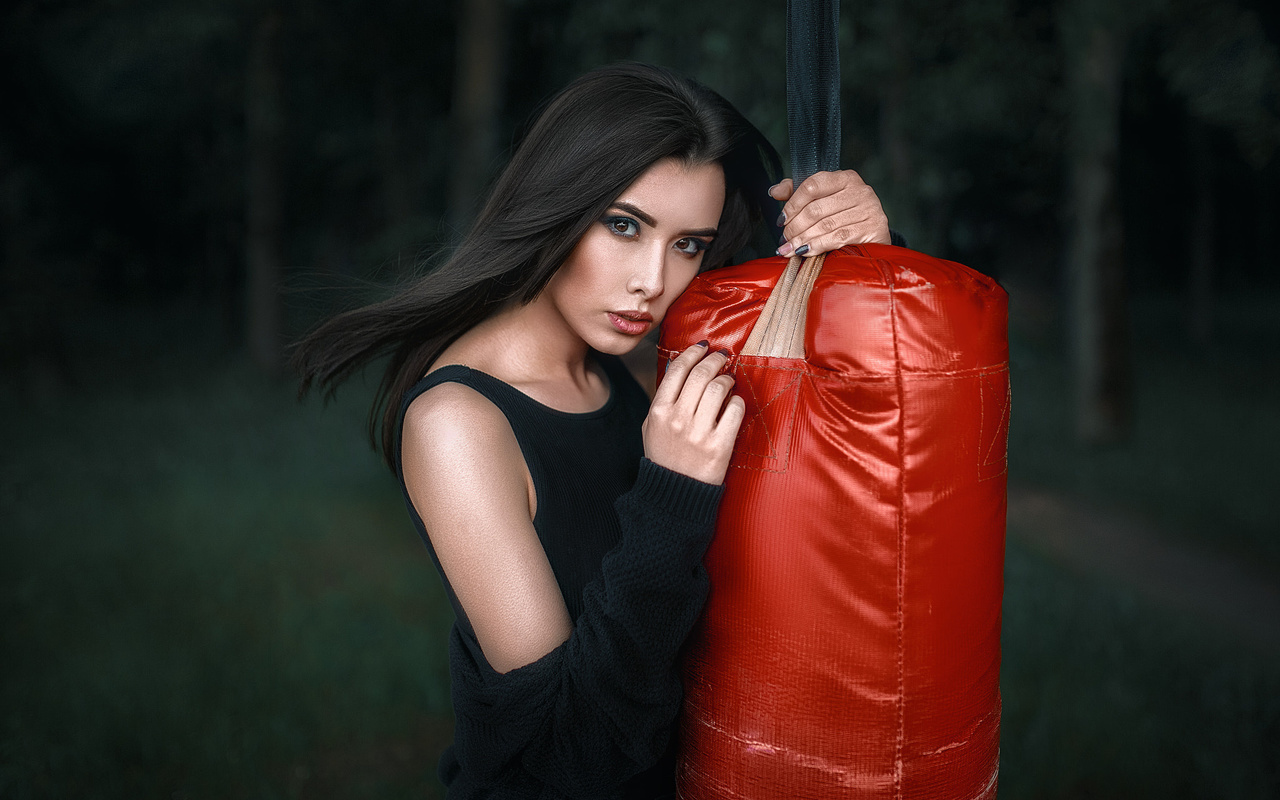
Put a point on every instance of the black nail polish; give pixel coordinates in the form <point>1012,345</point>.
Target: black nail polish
<point>724,352</point>
<point>703,343</point>
<point>802,250</point>
<point>782,240</point>
<point>782,219</point>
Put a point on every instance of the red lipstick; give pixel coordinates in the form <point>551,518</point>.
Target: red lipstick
<point>632,323</point>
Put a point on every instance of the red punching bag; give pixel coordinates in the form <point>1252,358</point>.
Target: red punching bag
<point>851,643</point>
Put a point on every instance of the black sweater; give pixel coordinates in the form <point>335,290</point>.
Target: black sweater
<point>593,717</point>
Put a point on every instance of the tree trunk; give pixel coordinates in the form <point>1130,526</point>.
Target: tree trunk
<point>894,125</point>
<point>1094,55</point>
<point>397,175</point>
<point>477,99</point>
<point>264,125</point>
<point>1268,210</point>
<point>1201,230</point>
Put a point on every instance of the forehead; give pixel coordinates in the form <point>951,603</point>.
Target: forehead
<point>675,193</point>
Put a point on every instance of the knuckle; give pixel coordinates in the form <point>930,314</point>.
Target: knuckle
<point>829,224</point>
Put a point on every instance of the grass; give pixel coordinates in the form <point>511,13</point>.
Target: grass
<point>1106,697</point>
<point>205,585</point>
<point>209,591</point>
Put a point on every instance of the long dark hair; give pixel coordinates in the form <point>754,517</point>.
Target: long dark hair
<point>592,141</point>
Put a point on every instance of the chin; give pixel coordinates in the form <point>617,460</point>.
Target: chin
<point>617,346</point>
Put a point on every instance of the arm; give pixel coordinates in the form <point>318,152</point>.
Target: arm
<point>580,708</point>
<point>467,479</point>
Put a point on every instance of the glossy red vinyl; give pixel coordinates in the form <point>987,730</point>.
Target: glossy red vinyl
<point>851,644</point>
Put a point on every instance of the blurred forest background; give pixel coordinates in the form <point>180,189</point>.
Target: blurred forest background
<point>209,590</point>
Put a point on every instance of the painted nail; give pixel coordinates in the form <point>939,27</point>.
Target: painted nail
<point>802,249</point>
<point>785,250</point>
<point>722,351</point>
<point>703,343</point>
<point>782,240</point>
<point>782,219</point>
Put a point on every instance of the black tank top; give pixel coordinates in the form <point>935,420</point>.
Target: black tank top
<point>580,464</point>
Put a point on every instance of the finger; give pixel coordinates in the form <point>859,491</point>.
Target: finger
<point>677,372</point>
<point>852,215</point>
<point>731,420</point>
<point>869,231</point>
<point>782,190</point>
<point>712,402</point>
<point>816,186</point>
<point>856,226</point>
<point>695,384</point>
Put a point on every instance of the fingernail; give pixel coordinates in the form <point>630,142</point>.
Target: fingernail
<point>802,249</point>
<point>785,250</point>
<point>703,343</point>
<point>722,351</point>
<point>782,240</point>
<point>782,219</point>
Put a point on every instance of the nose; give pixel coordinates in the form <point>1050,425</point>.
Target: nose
<point>648,277</point>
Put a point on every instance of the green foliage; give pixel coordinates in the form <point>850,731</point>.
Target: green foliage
<point>136,66</point>
<point>1217,57</point>
<point>739,52</point>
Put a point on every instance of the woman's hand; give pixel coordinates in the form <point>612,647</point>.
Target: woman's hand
<point>829,211</point>
<point>694,419</point>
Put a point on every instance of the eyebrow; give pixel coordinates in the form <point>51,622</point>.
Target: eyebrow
<point>652,223</point>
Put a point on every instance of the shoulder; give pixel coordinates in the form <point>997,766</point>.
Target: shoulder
<point>455,442</point>
<point>466,477</point>
<point>450,412</point>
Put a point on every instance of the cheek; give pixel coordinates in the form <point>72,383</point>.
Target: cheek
<point>678,281</point>
<point>683,277</point>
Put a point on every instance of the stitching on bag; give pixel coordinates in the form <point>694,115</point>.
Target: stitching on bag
<point>1001,423</point>
<point>789,416</point>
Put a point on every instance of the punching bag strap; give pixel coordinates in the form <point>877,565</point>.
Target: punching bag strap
<point>813,127</point>
<point>813,86</point>
<point>779,331</point>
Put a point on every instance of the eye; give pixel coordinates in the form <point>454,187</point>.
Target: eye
<point>622,226</point>
<point>691,246</point>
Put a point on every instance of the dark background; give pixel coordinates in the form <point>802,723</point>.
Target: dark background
<point>209,590</point>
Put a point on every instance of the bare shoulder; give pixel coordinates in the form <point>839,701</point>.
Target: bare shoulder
<point>456,441</point>
<point>449,414</point>
<point>467,479</point>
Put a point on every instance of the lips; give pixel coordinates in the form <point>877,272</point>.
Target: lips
<point>631,322</point>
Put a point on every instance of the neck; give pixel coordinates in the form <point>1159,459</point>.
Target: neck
<point>531,343</point>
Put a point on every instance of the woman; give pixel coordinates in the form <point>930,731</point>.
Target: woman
<point>566,513</point>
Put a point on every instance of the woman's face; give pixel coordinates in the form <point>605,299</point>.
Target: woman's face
<point>627,269</point>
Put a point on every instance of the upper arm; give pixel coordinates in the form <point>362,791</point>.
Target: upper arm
<point>468,481</point>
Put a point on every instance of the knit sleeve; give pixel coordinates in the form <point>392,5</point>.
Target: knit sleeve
<point>599,708</point>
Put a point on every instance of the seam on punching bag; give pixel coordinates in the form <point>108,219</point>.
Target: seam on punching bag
<point>786,432</point>
<point>902,497</point>
<point>1001,425</point>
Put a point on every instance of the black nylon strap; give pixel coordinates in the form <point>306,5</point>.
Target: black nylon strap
<point>813,86</point>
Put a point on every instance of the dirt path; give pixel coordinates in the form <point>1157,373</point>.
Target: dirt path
<point>1218,589</point>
